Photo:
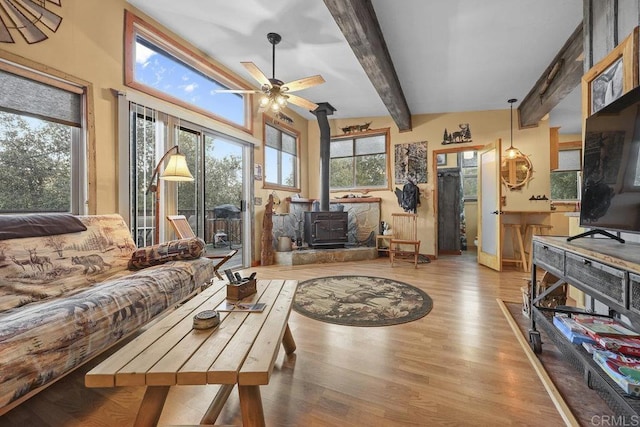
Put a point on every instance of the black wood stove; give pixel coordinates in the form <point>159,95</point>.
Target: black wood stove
<point>326,229</point>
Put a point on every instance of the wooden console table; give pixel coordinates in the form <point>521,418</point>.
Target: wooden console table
<point>609,272</point>
<point>240,351</point>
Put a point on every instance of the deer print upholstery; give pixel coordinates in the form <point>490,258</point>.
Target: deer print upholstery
<point>64,298</point>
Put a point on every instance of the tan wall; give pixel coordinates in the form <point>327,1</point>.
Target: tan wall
<point>471,219</point>
<point>486,127</point>
<point>300,125</point>
<point>89,46</point>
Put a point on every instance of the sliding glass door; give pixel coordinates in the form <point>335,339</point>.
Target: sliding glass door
<point>214,203</point>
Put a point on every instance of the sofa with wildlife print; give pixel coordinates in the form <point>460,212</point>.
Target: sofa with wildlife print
<point>65,298</point>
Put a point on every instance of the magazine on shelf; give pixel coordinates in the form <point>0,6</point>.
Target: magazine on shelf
<point>241,306</point>
<point>603,327</point>
<point>629,346</point>
<point>624,370</point>
<point>573,331</point>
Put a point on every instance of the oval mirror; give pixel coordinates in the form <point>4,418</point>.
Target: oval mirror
<point>516,172</point>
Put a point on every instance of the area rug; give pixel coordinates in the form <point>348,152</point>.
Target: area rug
<point>361,301</point>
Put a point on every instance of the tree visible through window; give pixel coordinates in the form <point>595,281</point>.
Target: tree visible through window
<point>35,157</point>
<point>565,180</point>
<point>40,144</point>
<point>359,162</point>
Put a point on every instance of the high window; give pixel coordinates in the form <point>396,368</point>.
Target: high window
<point>161,67</point>
<point>359,162</point>
<point>280,157</point>
<point>565,181</point>
<point>41,142</point>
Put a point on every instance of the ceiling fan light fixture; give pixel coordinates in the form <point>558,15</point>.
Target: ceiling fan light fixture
<point>512,152</point>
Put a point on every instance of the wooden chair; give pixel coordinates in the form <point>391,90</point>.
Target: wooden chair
<point>405,237</point>
<point>184,231</point>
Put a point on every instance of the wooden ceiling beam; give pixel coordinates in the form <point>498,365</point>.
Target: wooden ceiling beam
<point>358,22</point>
<point>561,76</point>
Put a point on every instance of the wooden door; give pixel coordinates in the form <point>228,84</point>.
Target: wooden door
<point>489,209</point>
<point>449,204</point>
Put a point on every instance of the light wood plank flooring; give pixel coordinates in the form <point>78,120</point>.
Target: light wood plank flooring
<point>460,365</point>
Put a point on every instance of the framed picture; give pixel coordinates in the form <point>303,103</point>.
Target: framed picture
<point>257,172</point>
<point>613,76</point>
<point>441,159</point>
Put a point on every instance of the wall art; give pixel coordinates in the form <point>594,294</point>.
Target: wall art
<point>411,160</point>
<point>459,136</point>
<point>612,77</point>
<point>29,18</point>
<point>356,128</point>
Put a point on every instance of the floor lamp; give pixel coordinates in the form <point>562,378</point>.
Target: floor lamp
<point>176,170</point>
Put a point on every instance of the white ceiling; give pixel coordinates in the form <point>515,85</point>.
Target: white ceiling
<point>450,55</point>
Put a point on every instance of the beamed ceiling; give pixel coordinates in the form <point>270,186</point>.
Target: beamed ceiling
<point>400,58</point>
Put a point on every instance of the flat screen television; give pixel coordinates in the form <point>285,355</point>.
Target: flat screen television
<point>611,168</point>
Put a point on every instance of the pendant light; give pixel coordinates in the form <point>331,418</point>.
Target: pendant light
<point>512,152</point>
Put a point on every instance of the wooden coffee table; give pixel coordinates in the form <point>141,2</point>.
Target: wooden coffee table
<point>241,351</point>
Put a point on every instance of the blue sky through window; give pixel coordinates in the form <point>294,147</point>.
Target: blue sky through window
<point>161,71</point>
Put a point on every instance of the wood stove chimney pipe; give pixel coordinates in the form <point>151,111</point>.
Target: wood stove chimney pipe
<point>324,109</point>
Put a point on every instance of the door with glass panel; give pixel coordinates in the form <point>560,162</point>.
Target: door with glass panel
<point>215,202</point>
<point>489,209</point>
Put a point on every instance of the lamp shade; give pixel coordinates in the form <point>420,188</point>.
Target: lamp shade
<point>177,169</point>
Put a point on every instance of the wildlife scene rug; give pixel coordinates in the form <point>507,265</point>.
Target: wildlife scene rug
<point>361,301</point>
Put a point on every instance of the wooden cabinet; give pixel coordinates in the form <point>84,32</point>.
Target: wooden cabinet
<point>607,271</point>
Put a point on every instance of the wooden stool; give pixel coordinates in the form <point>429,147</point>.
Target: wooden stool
<point>519,256</point>
<point>530,231</point>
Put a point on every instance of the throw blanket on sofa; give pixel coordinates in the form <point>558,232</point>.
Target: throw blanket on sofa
<point>18,227</point>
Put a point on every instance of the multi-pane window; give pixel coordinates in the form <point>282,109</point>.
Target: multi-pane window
<point>163,68</point>
<point>468,161</point>
<point>565,181</point>
<point>41,143</point>
<point>359,162</point>
<point>280,157</point>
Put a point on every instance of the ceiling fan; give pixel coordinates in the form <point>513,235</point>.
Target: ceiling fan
<point>275,93</point>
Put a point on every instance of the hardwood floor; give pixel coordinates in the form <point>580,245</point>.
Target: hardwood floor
<point>459,365</point>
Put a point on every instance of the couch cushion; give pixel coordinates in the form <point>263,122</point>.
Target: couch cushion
<point>40,268</point>
<point>173,250</point>
<point>40,342</point>
<point>20,226</point>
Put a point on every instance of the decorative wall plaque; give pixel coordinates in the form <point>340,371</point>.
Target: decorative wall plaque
<point>29,18</point>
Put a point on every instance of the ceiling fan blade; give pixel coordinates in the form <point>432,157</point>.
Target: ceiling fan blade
<point>238,91</point>
<point>256,73</point>
<point>303,83</point>
<point>301,102</point>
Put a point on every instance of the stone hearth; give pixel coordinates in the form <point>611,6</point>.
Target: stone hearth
<point>324,256</point>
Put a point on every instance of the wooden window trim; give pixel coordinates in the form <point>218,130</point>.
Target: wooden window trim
<point>267,120</point>
<point>372,132</point>
<point>134,25</point>
<point>45,74</point>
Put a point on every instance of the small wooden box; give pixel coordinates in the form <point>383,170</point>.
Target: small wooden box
<point>241,290</point>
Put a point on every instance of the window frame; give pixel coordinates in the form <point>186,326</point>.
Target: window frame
<point>365,134</point>
<point>463,176</point>
<point>570,146</point>
<point>270,121</point>
<point>135,26</point>
<point>83,144</point>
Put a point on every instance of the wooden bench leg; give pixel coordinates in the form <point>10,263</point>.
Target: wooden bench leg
<point>251,406</point>
<point>217,404</point>
<point>151,406</point>
<point>287,341</point>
